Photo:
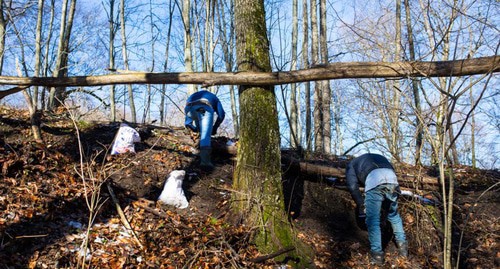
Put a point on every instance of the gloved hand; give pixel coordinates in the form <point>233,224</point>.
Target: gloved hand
<point>361,217</point>
<point>192,128</point>
<point>361,211</point>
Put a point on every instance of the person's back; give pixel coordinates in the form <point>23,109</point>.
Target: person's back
<point>376,174</point>
<point>204,98</point>
<point>366,163</point>
<point>208,97</point>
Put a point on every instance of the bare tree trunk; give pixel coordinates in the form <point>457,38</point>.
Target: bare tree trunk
<point>444,121</point>
<point>257,177</point>
<point>111,55</point>
<point>44,101</point>
<point>227,43</point>
<point>35,116</point>
<point>454,152</point>
<point>294,121</point>
<point>147,106</point>
<point>3,27</point>
<point>21,69</point>
<point>305,64</point>
<point>472,133</point>
<point>125,61</point>
<point>318,95</point>
<point>60,51</point>
<point>208,44</point>
<point>58,94</point>
<point>35,113</point>
<point>441,120</point>
<point>444,102</point>
<point>394,89</point>
<point>188,52</point>
<point>337,116</point>
<point>38,50</point>
<point>415,87</point>
<point>325,85</point>
<point>163,108</point>
<point>438,140</point>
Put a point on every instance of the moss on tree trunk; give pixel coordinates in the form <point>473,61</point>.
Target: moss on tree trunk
<point>257,177</point>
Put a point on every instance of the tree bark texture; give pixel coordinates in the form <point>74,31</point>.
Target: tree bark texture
<point>125,61</point>
<point>111,55</point>
<point>307,85</point>
<point>259,198</point>
<point>188,52</point>
<point>3,28</point>
<point>38,50</point>
<point>325,84</point>
<point>415,87</point>
<point>227,43</point>
<point>58,93</point>
<point>294,105</point>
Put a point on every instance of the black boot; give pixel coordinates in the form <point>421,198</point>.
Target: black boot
<point>205,163</point>
<point>402,249</point>
<point>377,258</point>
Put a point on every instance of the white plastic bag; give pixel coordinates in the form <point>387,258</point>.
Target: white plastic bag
<point>125,139</point>
<point>172,193</point>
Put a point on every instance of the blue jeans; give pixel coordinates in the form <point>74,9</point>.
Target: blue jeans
<point>203,117</point>
<point>373,203</point>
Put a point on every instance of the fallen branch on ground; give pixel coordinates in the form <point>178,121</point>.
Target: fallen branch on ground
<point>123,218</point>
<point>272,255</point>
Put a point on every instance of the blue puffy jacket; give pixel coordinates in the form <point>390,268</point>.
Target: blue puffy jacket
<point>207,98</point>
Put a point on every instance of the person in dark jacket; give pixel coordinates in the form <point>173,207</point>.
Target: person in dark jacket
<point>199,110</point>
<point>376,174</point>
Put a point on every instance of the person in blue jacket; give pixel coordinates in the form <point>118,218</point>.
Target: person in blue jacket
<point>199,110</point>
<point>376,174</point>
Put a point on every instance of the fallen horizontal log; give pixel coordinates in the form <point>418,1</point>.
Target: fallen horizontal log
<point>320,170</point>
<point>339,70</point>
<point>329,171</point>
<point>410,193</point>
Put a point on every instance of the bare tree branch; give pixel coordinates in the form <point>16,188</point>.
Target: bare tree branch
<point>12,91</point>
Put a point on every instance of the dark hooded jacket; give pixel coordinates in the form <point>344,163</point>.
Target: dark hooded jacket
<point>358,169</point>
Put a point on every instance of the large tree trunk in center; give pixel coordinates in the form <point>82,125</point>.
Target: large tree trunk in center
<point>259,198</point>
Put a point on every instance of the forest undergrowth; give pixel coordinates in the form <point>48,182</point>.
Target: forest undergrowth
<point>57,211</point>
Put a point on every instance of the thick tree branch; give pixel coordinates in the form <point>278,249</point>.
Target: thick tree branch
<point>326,72</point>
<point>12,91</point>
<point>331,171</point>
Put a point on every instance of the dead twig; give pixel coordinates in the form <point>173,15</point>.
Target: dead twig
<point>162,215</point>
<point>31,236</point>
<point>272,255</point>
<point>123,218</point>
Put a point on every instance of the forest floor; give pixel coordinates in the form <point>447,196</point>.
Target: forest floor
<point>47,192</point>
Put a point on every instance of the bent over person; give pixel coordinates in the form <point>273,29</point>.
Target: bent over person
<point>376,174</point>
<point>199,110</point>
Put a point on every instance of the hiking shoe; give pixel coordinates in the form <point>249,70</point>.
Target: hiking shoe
<point>402,249</point>
<point>377,258</point>
<point>205,162</point>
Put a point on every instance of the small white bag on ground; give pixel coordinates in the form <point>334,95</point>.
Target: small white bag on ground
<point>172,193</point>
<point>125,139</point>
